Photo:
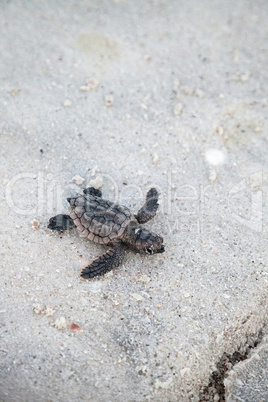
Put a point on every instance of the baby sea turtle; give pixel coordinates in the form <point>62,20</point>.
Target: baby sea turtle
<point>108,223</point>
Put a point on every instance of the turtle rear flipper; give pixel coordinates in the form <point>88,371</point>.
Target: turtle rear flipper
<point>60,222</point>
<point>92,191</point>
<point>148,211</point>
<point>105,263</point>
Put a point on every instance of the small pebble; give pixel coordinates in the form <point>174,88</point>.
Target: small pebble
<point>242,77</point>
<point>137,297</point>
<point>187,90</point>
<point>215,157</point>
<point>257,129</point>
<point>35,224</point>
<point>91,84</point>
<point>94,170</point>
<point>97,183</point>
<point>219,130</point>
<point>74,327</point>
<point>178,109</point>
<point>38,309</point>
<point>49,312</point>
<point>44,311</point>
<point>155,159</point>
<point>245,77</point>
<point>143,106</point>
<point>199,93</point>
<point>78,180</point>
<point>109,100</point>
<point>212,176</point>
<point>84,88</point>
<point>14,92</point>
<point>146,117</point>
<point>60,323</point>
<point>67,103</point>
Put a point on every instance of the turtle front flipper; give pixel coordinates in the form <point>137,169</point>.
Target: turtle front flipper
<point>92,191</point>
<point>105,263</point>
<point>60,222</point>
<point>148,211</point>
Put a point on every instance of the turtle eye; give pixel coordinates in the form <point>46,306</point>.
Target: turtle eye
<point>149,250</point>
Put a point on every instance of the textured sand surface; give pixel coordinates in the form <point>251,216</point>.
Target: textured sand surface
<point>132,94</point>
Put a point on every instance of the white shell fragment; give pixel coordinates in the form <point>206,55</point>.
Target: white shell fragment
<point>97,183</point>
<point>215,157</point>
<point>91,84</point>
<point>49,311</point>
<point>212,176</point>
<point>155,159</point>
<point>60,323</point>
<point>136,296</point>
<point>199,93</point>
<point>78,180</point>
<point>109,100</point>
<point>67,103</point>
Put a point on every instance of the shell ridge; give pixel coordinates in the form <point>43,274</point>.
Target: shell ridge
<point>100,220</point>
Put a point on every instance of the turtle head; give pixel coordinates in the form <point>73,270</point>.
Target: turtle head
<point>148,242</point>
